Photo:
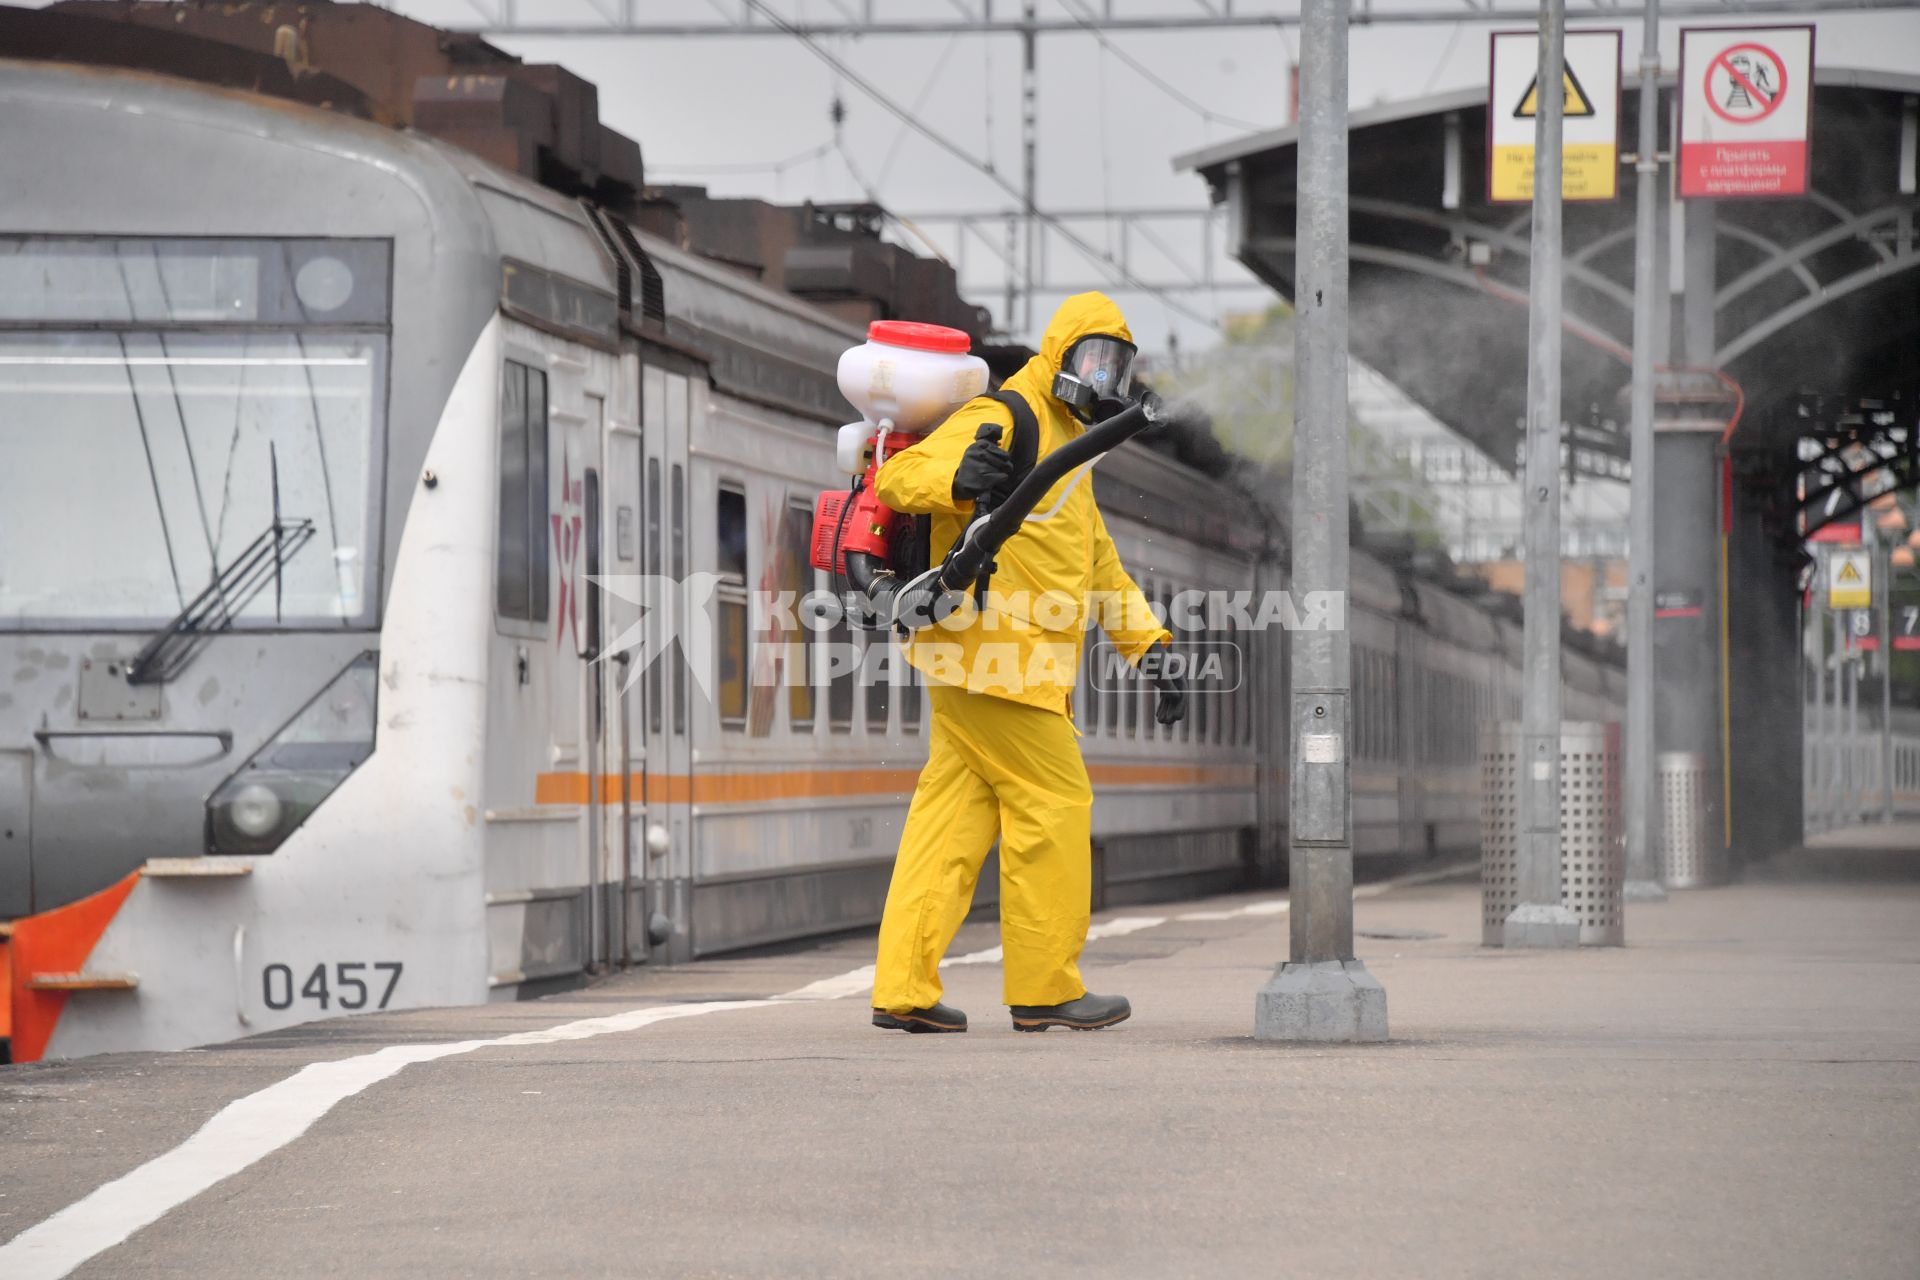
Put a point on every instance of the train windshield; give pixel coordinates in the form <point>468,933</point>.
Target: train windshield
<point>163,402</point>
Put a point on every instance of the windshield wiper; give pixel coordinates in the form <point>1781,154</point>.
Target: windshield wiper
<point>233,587</point>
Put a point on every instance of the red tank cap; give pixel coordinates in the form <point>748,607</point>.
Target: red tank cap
<point>919,337</point>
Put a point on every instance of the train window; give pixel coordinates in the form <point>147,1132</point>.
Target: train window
<point>796,575</point>
<point>652,524</point>
<point>593,535</point>
<point>520,562</point>
<point>1163,594</point>
<point>1129,685</point>
<point>1362,709</point>
<point>840,675</point>
<point>730,558</point>
<point>1200,707</point>
<point>733,658</point>
<point>1183,643</point>
<point>1392,709</point>
<point>876,667</point>
<point>911,697</point>
<point>1087,701</point>
<point>731,528</point>
<point>678,502</point>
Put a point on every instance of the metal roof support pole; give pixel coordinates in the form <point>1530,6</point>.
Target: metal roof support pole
<point>1643,875</point>
<point>1323,992</point>
<point>1542,919</point>
<point>1884,579</point>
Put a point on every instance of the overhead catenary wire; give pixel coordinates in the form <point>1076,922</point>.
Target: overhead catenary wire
<point>919,104</point>
<point>1085,19</point>
<point>1126,278</point>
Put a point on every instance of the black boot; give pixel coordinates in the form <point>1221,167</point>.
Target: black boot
<point>1088,1013</point>
<point>938,1018</point>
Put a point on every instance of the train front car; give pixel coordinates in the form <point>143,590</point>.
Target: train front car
<point>242,720</point>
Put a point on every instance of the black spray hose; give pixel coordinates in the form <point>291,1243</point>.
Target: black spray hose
<point>983,538</point>
<point>934,595</point>
<point>868,574</point>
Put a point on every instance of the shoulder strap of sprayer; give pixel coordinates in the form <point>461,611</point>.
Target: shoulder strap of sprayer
<point>1025,448</point>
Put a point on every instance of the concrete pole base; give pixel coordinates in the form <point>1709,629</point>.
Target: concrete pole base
<point>1538,925</point>
<point>1643,891</point>
<point>1326,1000</point>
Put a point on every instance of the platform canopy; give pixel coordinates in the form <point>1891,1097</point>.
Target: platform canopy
<point>1815,293</point>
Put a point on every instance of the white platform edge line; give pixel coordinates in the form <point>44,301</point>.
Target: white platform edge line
<point>251,1128</point>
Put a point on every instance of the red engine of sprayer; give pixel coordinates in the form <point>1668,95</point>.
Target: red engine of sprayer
<point>855,519</point>
<point>905,379</point>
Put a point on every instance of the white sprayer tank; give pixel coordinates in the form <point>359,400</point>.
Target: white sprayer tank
<point>907,377</point>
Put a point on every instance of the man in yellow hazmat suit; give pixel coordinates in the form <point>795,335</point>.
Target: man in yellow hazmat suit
<point>1004,757</point>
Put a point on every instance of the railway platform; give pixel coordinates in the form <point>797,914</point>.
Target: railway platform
<point>1731,1094</point>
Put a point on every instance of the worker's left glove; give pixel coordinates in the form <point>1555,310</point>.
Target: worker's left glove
<point>1171,705</point>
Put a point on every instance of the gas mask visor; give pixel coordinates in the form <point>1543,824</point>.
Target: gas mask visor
<point>1097,367</point>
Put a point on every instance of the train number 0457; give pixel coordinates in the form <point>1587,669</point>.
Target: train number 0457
<point>347,985</point>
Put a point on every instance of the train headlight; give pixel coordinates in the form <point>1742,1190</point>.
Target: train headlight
<point>270,795</point>
<point>254,810</point>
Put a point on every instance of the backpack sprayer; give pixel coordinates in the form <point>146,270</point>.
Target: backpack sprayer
<point>905,380</point>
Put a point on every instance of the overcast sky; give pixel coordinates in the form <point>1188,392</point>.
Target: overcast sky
<point>703,108</point>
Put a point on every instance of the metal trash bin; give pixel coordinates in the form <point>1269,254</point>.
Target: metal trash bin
<point>1593,852</point>
<point>1690,856</point>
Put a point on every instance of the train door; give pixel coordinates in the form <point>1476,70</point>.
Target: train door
<point>668,407</point>
<point>545,740</point>
<point>621,559</point>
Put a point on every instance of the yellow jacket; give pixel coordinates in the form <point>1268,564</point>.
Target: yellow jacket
<point>1057,575</point>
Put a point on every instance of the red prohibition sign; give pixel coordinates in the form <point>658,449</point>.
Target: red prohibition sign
<point>1753,87</point>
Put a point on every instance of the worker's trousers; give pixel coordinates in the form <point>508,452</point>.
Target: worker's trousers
<point>994,767</point>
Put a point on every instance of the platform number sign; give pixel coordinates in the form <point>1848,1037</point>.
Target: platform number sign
<point>1746,102</point>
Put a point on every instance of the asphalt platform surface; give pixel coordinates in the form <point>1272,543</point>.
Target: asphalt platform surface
<point>1735,1094</point>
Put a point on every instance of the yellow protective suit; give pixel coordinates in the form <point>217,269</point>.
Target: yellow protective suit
<point>1004,757</point>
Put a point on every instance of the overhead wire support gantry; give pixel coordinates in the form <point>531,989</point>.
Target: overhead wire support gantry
<point>620,17</point>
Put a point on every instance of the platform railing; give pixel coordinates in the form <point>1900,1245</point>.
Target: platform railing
<point>1843,777</point>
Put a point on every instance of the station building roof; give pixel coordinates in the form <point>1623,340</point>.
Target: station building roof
<point>1812,294</point>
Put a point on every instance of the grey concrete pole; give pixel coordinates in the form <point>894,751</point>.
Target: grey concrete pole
<point>1649,296</point>
<point>1542,919</point>
<point>1323,992</point>
<point>1686,488</point>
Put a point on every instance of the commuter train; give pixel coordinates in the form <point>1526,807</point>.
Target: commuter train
<point>315,435</point>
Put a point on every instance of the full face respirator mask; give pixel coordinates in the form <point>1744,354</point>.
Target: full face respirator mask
<point>1097,368</point>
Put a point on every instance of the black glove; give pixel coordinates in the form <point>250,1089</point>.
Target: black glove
<point>983,468</point>
<point>1171,706</point>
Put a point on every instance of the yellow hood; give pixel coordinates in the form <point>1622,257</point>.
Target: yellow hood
<point>1080,316</point>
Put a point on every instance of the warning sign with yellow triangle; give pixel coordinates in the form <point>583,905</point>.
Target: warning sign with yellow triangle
<point>1577,103</point>
<point>1590,106</point>
<point>1850,580</point>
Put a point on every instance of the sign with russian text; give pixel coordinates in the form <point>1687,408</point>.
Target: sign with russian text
<point>1746,102</point>
<point>1590,116</point>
